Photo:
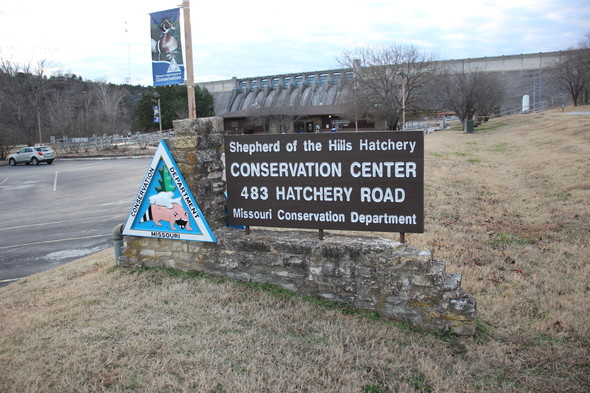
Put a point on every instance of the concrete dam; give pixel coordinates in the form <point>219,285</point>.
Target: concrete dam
<point>322,92</point>
<point>302,90</point>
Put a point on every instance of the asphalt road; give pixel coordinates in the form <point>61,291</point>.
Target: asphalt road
<point>53,214</point>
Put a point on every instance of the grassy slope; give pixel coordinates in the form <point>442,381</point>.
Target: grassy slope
<point>508,207</point>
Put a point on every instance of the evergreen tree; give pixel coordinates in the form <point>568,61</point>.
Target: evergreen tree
<point>174,106</point>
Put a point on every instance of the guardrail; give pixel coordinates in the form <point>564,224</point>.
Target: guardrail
<point>110,142</point>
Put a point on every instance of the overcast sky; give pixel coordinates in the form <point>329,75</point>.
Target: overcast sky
<point>110,40</point>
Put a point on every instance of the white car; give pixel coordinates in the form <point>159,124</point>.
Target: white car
<point>32,155</point>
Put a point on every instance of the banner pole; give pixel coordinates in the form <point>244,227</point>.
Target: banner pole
<point>188,50</point>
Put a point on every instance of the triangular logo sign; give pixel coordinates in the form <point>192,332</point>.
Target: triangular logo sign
<point>164,206</point>
<point>173,67</point>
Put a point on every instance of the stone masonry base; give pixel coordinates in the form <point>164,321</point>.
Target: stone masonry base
<point>397,280</point>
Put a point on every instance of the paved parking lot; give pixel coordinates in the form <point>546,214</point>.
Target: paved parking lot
<point>53,214</point>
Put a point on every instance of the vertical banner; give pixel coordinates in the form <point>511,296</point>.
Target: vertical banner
<point>156,114</point>
<point>167,64</point>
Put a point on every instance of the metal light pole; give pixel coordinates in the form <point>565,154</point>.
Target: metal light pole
<point>39,123</point>
<point>84,103</point>
<point>534,92</point>
<point>403,76</point>
<point>403,104</point>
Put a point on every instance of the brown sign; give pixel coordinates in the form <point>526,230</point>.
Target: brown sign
<point>364,181</point>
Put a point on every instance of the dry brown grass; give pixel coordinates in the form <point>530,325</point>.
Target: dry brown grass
<point>508,207</point>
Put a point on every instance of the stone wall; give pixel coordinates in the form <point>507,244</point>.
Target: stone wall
<point>397,280</point>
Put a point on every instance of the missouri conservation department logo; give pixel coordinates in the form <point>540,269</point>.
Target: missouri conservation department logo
<point>164,206</point>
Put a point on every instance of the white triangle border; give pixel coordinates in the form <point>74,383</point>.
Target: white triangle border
<point>162,153</point>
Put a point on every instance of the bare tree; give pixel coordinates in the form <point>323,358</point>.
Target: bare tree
<point>468,92</point>
<point>108,99</point>
<point>8,137</point>
<point>387,81</point>
<point>572,74</point>
<point>58,105</point>
<point>260,115</point>
<point>280,119</point>
<point>23,96</point>
<point>62,112</point>
<point>285,117</point>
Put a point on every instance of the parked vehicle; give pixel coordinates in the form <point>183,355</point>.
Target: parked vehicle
<point>32,155</point>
